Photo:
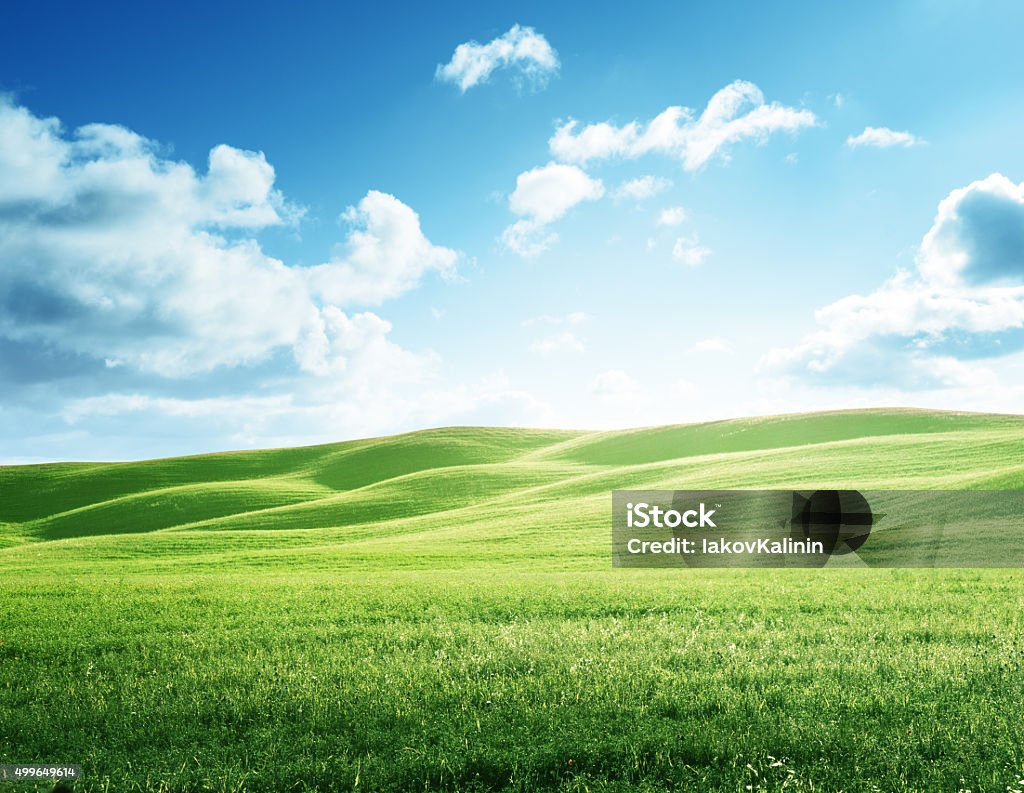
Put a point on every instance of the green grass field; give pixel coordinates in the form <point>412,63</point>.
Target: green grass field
<point>437,611</point>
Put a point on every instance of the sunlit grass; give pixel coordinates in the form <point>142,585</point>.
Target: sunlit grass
<point>438,611</point>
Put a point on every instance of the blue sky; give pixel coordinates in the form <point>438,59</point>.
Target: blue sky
<point>249,225</point>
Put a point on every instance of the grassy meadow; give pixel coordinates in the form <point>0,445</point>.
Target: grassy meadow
<point>437,611</point>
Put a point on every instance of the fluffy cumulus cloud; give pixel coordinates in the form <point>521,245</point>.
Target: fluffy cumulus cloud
<point>520,48</point>
<point>883,138</point>
<point>978,235</point>
<point>386,254</point>
<point>547,193</point>
<point>930,328</point>
<point>735,113</point>
<point>543,195</point>
<point>111,252</point>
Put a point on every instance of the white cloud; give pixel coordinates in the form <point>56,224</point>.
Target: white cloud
<point>977,235</point>
<point>883,138</point>
<point>520,48</point>
<point>672,216</point>
<point>546,193</point>
<point>689,251</point>
<point>238,190</point>
<point>925,329</point>
<point>139,280</point>
<point>641,188</point>
<point>543,195</point>
<point>117,254</point>
<point>385,255</point>
<point>736,112</point>
<point>104,169</point>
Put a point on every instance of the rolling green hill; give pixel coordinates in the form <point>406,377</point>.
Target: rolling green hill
<point>437,611</point>
<point>458,487</point>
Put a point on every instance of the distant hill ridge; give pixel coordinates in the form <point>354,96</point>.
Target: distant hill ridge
<point>472,474</point>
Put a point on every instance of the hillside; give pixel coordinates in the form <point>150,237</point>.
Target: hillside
<point>463,492</point>
<point>437,611</point>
